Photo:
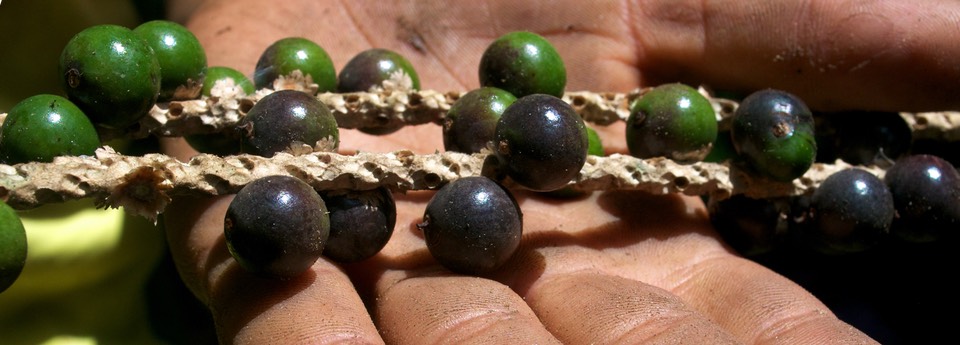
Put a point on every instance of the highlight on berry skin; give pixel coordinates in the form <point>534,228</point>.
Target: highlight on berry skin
<point>472,119</point>
<point>288,118</point>
<point>290,54</point>
<point>523,63</point>
<point>43,127</point>
<point>773,131</point>
<point>276,226</point>
<point>183,62</point>
<point>542,142</point>
<point>851,212</point>
<point>111,74</point>
<point>368,70</point>
<point>673,121</point>
<point>472,225</point>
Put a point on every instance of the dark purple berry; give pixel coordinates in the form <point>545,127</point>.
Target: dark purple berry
<point>926,192</point>
<point>472,225</point>
<point>372,67</point>
<point>542,142</point>
<point>773,131</point>
<point>276,226</point>
<point>286,118</point>
<point>470,123</point>
<point>751,226</point>
<point>361,223</point>
<point>851,211</point>
<point>183,62</point>
<point>870,137</point>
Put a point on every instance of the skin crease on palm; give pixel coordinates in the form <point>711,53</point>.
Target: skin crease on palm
<point>615,267</point>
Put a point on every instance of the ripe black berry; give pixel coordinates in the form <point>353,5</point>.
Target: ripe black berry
<point>361,223</point>
<point>868,137</point>
<point>773,131</point>
<point>286,118</point>
<point>372,67</point>
<point>276,226</point>
<point>926,192</point>
<point>850,212</point>
<point>542,142</point>
<point>472,225</point>
<point>751,226</point>
<point>470,123</point>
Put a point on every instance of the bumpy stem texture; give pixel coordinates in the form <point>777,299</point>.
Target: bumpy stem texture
<point>145,185</point>
<point>391,108</point>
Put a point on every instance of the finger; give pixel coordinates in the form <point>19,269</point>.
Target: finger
<point>875,55</point>
<point>416,301</point>
<point>552,285</point>
<point>444,43</point>
<point>621,311</point>
<point>770,308</point>
<point>459,310</point>
<point>318,306</point>
<point>632,239</point>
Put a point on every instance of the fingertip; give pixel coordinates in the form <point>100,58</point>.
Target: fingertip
<point>621,311</point>
<point>457,309</point>
<point>320,306</point>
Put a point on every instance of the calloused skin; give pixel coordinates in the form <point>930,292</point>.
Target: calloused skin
<point>614,267</point>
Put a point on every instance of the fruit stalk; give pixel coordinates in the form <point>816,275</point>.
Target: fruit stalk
<point>144,185</point>
<point>227,106</point>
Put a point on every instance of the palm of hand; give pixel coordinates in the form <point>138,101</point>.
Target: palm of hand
<point>614,266</point>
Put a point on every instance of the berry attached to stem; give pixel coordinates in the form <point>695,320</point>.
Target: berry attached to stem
<point>276,226</point>
<point>472,225</point>
<point>542,142</point>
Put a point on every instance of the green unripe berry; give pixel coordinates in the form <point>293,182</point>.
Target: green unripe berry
<point>111,74</point>
<point>42,127</point>
<point>523,63</point>
<point>773,131</point>
<point>673,121</point>
<point>219,73</point>
<point>594,144</point>
<point>183,63</point>
<point>288,118</point>
<point>13,246</point>
<point>291,54</point>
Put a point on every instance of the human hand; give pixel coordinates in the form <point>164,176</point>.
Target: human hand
<point>617,266</point>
